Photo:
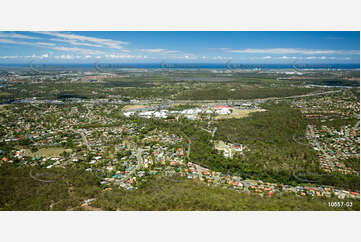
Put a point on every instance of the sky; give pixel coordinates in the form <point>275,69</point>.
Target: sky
<point>266,47</point>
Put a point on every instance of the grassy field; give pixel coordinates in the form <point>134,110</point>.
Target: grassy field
<point>4,94</point>
<point>3,108</point>
<point>47,152</point>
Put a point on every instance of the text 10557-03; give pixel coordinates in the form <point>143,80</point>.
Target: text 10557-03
<point>339,204</point>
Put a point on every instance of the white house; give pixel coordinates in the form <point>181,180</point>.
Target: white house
<point>128,114</point>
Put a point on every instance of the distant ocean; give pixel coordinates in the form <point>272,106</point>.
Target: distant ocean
<point>183,66</point>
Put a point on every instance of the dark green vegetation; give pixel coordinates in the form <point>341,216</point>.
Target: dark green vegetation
<point>182,194</point>
<point>197,85</point>
<point>337,82</point>
<point>146,93</point>
<point>52,90</point>
<point>274,155</point>
<point>269,136</point>
<point>18,191</point>
<point>224,93</point>
<point>352,163</point>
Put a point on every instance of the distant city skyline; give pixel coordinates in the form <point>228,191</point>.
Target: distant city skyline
<point>267,47</point>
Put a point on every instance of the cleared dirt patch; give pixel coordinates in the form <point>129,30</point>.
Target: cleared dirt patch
<point>130,107</point>
<point>238,113</point>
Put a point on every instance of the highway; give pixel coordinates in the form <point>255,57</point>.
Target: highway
<point>250,100</point>
<point>308,95</point>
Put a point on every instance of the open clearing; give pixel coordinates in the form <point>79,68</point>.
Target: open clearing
<point>4,94</point>
<point>130,107</point>
<point>3,108</point>
<point>237,113</point>
<point>47,152</point>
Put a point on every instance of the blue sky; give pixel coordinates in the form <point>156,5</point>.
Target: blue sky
<point>179,46</point>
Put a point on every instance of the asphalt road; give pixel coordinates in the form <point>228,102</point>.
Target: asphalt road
<point>357,125</point>
<point>139,158</point>
<point>189,148</point>
<point>328,158</point>
<point>258,99</point>
<point>85,140</point>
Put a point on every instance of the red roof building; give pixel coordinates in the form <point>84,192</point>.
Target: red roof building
<point>221,106</point>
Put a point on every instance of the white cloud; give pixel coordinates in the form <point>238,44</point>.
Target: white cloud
<point>44,56</point>
<point>79,50</point>
<point>222,49</point>
<point>267,57</point>
<point>33,56</point>
<point>9,57</point>
<point>171,54</point>
<point>69,57</point>
<point>115,56</point>
<point>289,57</point>
<point>160,51</point>
<point>74,42</point>
<point>190,57</point>
<point>292,51</point>
<point>221,58</point>
<point>16,35</point>
<point>320,58</point>
<point>53,46</point>
<point>64,57</point>
<point>21,42</point>
<point>16,42</point>
<point>45,43</point>
<point>109,43</point>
